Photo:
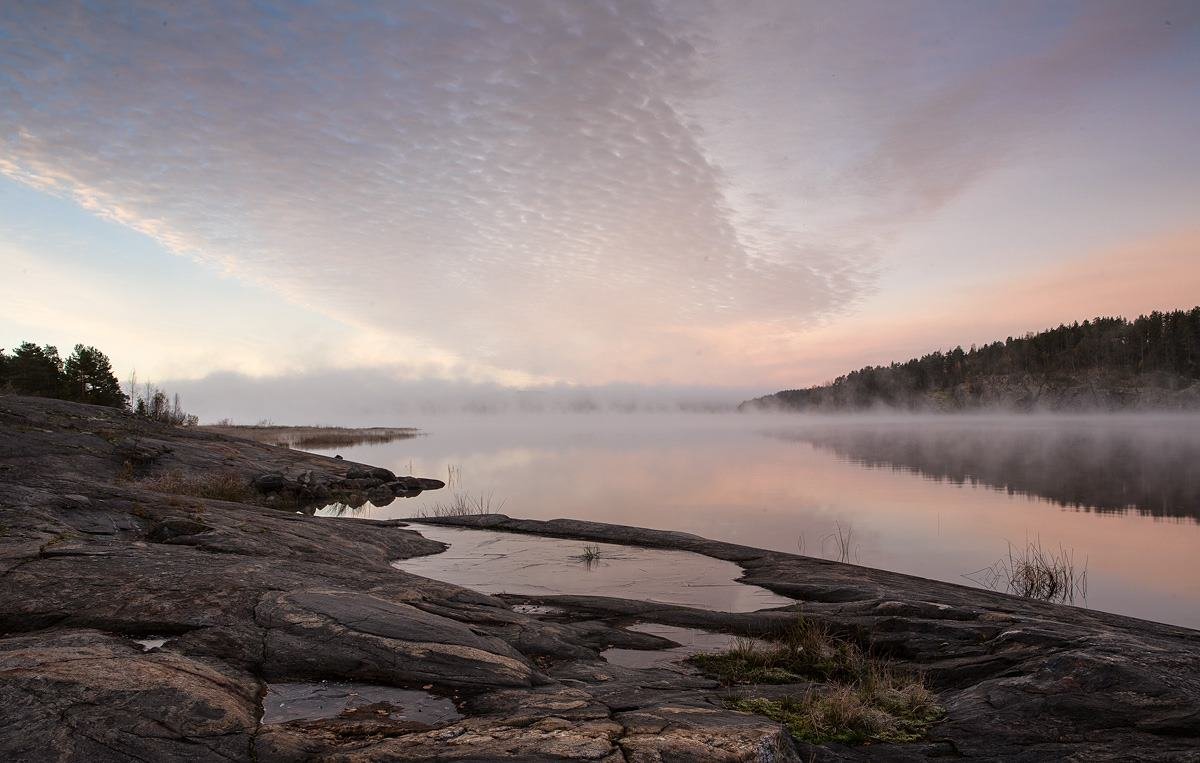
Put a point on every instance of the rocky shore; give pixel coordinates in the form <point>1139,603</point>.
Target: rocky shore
<point>138,623</point>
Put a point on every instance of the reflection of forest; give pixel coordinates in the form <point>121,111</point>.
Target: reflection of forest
<point>1114,467</point>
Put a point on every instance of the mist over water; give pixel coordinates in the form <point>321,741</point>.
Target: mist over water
<point>1146,464</point>
<point>935,496</point>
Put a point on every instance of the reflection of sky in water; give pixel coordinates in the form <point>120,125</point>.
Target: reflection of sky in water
<point>286,702</point>
<point>784,482</point>
<point>493,562</point>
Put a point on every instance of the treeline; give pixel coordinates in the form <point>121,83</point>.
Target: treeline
<point>1162,348</point>
<point>86,376</point>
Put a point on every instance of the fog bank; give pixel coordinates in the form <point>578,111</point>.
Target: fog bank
<point>375,398</point>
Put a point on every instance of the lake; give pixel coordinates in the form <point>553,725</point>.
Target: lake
<point>939,497</point>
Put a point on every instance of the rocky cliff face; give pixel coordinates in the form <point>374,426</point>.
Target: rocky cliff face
<point>137,624</point>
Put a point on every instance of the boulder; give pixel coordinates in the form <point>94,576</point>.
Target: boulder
<point>380,495</point>
<point>271,482</point>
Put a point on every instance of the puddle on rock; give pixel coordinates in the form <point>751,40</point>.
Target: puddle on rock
<point>331,699</point>
<point>538,609</point>
<point>691,641</point>
<point>534,565</point>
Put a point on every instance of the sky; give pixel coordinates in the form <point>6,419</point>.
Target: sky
<point>524,194</point>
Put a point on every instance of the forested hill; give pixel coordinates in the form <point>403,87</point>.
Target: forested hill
<point>1108,363</point>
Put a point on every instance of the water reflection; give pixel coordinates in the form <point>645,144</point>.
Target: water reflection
<point>531,565</point>
<point>1150,465</point>
<point>348,701</point>
<point>938,498</point>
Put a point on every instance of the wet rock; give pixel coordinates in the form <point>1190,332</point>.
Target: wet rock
<point>382,708</point>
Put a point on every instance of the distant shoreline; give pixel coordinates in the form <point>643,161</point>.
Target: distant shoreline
<point>312,436</point>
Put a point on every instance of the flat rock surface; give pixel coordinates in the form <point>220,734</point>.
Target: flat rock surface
<point>247,598</point>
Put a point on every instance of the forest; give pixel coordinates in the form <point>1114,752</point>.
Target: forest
<point>86,376</point>
<point>1110,361</point>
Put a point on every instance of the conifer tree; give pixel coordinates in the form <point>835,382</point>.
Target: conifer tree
<point>34,370</point>
<point>88,378</point>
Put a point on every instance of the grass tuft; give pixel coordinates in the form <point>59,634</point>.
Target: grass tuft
<point>1034,572</point>
<point>859,698</point>
<point>806,649</point>
<point>462,504</point>
<point>590,554</point>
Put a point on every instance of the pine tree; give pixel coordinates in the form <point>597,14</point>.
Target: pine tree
<point>88,378</point>
<point>34,370</point>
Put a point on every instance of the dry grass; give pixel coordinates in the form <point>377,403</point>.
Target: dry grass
<point>852,713</point>
<point>462,504</point>
<point>1034,572</point>
<point>320,438</point>
<point>806,649</point>
<point>862,697</point>
<point>221,486</point>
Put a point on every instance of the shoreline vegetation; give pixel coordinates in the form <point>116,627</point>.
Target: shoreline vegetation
<point>1104,364</point>
<point>320,437</point>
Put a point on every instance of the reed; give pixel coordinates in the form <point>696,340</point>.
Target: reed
<point>842,543</point>
<point>462,504</point>
<point>590,554</point>
<point>1035,572</point>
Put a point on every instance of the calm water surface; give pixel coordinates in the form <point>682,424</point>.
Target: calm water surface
<point>935,497</point>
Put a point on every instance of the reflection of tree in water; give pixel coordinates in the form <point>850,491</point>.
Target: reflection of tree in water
<point>1149,467</point>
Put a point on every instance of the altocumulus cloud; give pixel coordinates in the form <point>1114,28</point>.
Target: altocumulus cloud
<point>554,188</point>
